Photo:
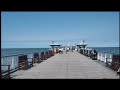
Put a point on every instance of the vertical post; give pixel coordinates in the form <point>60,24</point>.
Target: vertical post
<point>44,55</point>
<point>38,58</point>
<point>110,58</point>
<point>105,57</point>
<point>88,53</point>
<point>106,62</point>
<point>8,71</point>
<point>83,51</point>
<point>98,56</point>
<point>13,64</point>
<point>41,56</point>
<point>34,58</point>
<point>26,65</point>
<point>101,57</point>
<point>32,62</point>
<point>18,64</point>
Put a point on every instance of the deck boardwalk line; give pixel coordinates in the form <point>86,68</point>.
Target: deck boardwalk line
<point>72,65</point>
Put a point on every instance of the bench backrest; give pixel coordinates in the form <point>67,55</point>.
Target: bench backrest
<point>36,55</point>
<point>115,62</point>
<point>22,58</point>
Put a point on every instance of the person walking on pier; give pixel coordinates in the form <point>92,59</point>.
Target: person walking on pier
<point>66,50</point>
<point>54,51</point>
<point>61,51</point>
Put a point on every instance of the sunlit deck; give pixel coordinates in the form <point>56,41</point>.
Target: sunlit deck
<point>72,65</point>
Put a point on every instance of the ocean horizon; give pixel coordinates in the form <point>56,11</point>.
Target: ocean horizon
<point>17,51</point>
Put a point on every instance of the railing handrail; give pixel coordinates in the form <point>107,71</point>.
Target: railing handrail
<point>5,65</point>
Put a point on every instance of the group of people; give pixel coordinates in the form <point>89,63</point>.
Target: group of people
<point>67,49</point>
<point>60,50</point>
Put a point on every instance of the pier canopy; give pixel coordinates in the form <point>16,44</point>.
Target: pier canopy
<point>82,44</point>
<point>55,45</point>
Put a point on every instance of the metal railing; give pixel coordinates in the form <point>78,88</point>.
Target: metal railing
<point>110,60</point>
<point>5,73</point>
<point>12,63</point>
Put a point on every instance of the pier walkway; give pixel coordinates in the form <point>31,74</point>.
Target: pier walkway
<point>72,65</point>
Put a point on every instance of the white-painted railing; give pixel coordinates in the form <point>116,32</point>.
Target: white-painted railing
<point>13,61</point>
<point>104,56</point>
<point>9,60</point>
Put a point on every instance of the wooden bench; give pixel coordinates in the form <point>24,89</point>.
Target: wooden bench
<point>24,64</point>
<point>51,53</point>
<point>47,55</point>
<point>43,57</point>
<point>115,62</point>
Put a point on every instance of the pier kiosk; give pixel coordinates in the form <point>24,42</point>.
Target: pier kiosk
<point>55,47</point>
<point>82,47</point>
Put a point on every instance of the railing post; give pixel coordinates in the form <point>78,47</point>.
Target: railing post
<point>32,62</point>
<point>102,57</point>
<point>38,58</point>
<point>18,64</point>
<point>110,57</point>
<point>98,56</point>
<point>105,57</point>
<point>44,56</point>
<point>107,62</point>
<point>83,52</point>
<point>33,59</point>
<point>26,64</point>
<point>8,71</point>
<point>12,64</point>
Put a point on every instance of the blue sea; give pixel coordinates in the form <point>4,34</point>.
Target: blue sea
<point>110,50</point>
<point>16,51</point>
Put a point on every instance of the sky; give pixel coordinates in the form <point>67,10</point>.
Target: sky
<point>39,29</point>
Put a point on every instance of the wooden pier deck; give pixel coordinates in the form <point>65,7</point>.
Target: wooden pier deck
<point>72,65</point>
